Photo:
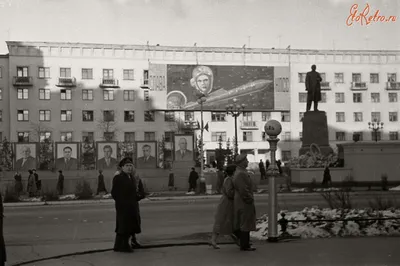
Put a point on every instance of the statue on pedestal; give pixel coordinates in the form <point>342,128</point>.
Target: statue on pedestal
<point>313,88</point>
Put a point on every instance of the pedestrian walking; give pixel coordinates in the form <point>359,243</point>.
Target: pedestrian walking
<point>267,164</point>
<point>3,254</point>
<point>193,177</point>
<point>101,186</point>
<point>220,180</point>
<point>18,183</point>
<point>327,181</point>
<point>60,183</point>
<point>279,163</point>
<point>31,189</point>
<point>124,193</point>
<point>223,223</point>
<point>37,181</point>
<point>171,180</point>
<point>262,170</point>
<point>244,208</point>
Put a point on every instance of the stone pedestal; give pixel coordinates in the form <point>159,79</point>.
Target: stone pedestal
<point>315,130</point>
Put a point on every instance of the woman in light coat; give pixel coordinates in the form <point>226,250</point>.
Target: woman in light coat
<point>223,224</point>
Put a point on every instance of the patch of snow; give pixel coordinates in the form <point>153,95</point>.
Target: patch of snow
<point>107,196</point>
<point>395,188</point>
<point>299,190</point>
<point>67,197</point>
<point>33,199</point>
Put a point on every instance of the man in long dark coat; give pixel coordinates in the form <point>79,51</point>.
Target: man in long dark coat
<point>313,88</point>
<point>124,193</point>
<point>193,176</point>
<point>244,208</point>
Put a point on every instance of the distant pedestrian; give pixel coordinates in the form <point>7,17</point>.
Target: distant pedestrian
<point>267,164</point>
<point>3,254</point>
<point>244,208</point>
<point>326,181</point>
<point>101,186</point>
<point>193,177</point>
<point>18,183</point>
<point>31,189</point>
<point>171,180</point>
<point>279,163</point>
<point>60,183</point>
<point>37,181</point>
<point>223,223</point>
<point>220,180</point>
<point>262,170</point>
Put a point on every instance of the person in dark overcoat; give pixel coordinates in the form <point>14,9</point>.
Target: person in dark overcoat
<point>18,183</point>
<point>193,177</point>
<point>244,208</point>
<point>223,223</point>
<point>101,186</point>
<point>124,193</point>
<point>3,254</point>
<point>313,88</point>
<point>141,194</point>
<point>60,183</point>
<point>327,177</point>
<point>262,170</point>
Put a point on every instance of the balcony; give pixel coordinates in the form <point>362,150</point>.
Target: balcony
<point>109,83</point>
<point>66,82</point>
<point>22,81</point>
<point>325,85</point>
<point>359,86</point>
<point>392,86</point>
<point>252,125</point>
<point>144,84</point>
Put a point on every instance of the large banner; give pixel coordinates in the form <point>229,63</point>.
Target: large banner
<point>250,85</point>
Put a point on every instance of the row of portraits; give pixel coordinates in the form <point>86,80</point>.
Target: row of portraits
<point>68,154</point>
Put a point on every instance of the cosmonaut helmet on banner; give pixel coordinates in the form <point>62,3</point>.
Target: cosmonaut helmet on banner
<point>202,80</point>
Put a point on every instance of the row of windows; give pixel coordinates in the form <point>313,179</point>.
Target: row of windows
<point>87,73</point>
<point>358,117</point>
<point>87,115</point>
<point>357,97</point>
<point>355,77</point>
<point>393,135</point>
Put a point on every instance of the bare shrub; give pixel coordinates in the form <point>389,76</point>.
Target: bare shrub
<point>338,199</point>
<point>49,195</point>
<point>11,195</point>
<point>83,190</point>
<point>381,203</point>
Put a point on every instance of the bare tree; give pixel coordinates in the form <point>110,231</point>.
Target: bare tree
<point>108,124</point>
<point>38,128</point>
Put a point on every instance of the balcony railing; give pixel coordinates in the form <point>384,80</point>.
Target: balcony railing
<point>359,86</point>
<point>66,82</point>
<point>325,85</point>
<point>22,81</point>
<point>393,85</point>
<point>109,83</point>
<point>249,125</point>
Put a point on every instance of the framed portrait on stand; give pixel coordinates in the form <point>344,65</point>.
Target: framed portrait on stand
<point>146,154</point>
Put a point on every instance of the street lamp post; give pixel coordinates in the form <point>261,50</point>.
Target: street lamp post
<point>375,127</point>
<point>235,110</point>
<point>201,101</point>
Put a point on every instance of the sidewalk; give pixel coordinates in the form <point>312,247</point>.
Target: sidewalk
<point>334,251</point>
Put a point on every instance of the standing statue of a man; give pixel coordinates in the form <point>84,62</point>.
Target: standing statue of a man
<point>313,88</point>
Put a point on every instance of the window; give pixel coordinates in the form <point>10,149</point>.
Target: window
<point>360,134</point>
<point>66,94</point>
<point>149,116</point>
<point>376,135</point>
<point>145,77</point>
<point>393,117</point>
<point>87,136</point>
<point>44,115</point>
<point>108,95</point>
<point>108,136</point>
<point>340,117</point>
<point>23,115</point>
<point>66,115</point>
<point>22,72</point>
<point>375,97</point>
<point>247,116</point>
<point>87,73</point>
<point>216,135</point>
<point>357,97</point>
<point>189,116</point>
<point>266,116</point>
<point>44,94</point>
<point>302,97</point>
<point>218,117</point>
<point>393,135</point>
<point>1,94</point>
<point>128,74</point>
<point>302,77</point>
<point>108,115</point>
<point>391,77</point>
<point>392,97</point>
<point>356,77</point>
<point>339,97</point>
<point>129,95</point>
<point>247,136</point>
<point>87,116</point>
<point>22,94</point>
<point>149,136</point>
<point>66,136</point>
<point>323,97</point>
<point>108,73</point>
<point>44,72</point>
<point>374,78</point>
<point>286,136</point>
<point>340,136</point>
<point>285,117</point>
<point>301,116</point>
<point>169,116</point>
<point>286,156</point>
<point>129,136</point>
<point>129,116</point>
<point>1,119</point>
<point>301,135</point>
<point>65,72</point>
<point>339,78</point>
<point>168,136</point>
<point>23,136</point>
<point>46,135</point>
<point>376,116</point>
<point>87,95</point>
<point>358,116</point>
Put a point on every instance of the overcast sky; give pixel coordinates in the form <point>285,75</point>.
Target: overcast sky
<point>316,24</point>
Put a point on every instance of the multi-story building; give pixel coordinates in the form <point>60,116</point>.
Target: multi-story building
<point>73,91</point>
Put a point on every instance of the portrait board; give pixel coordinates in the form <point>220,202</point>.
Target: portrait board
<point>107,155</point>
<point>146,154</point>
<point>26,156</point>
<point>183,147</point>
<point>67,156</point>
